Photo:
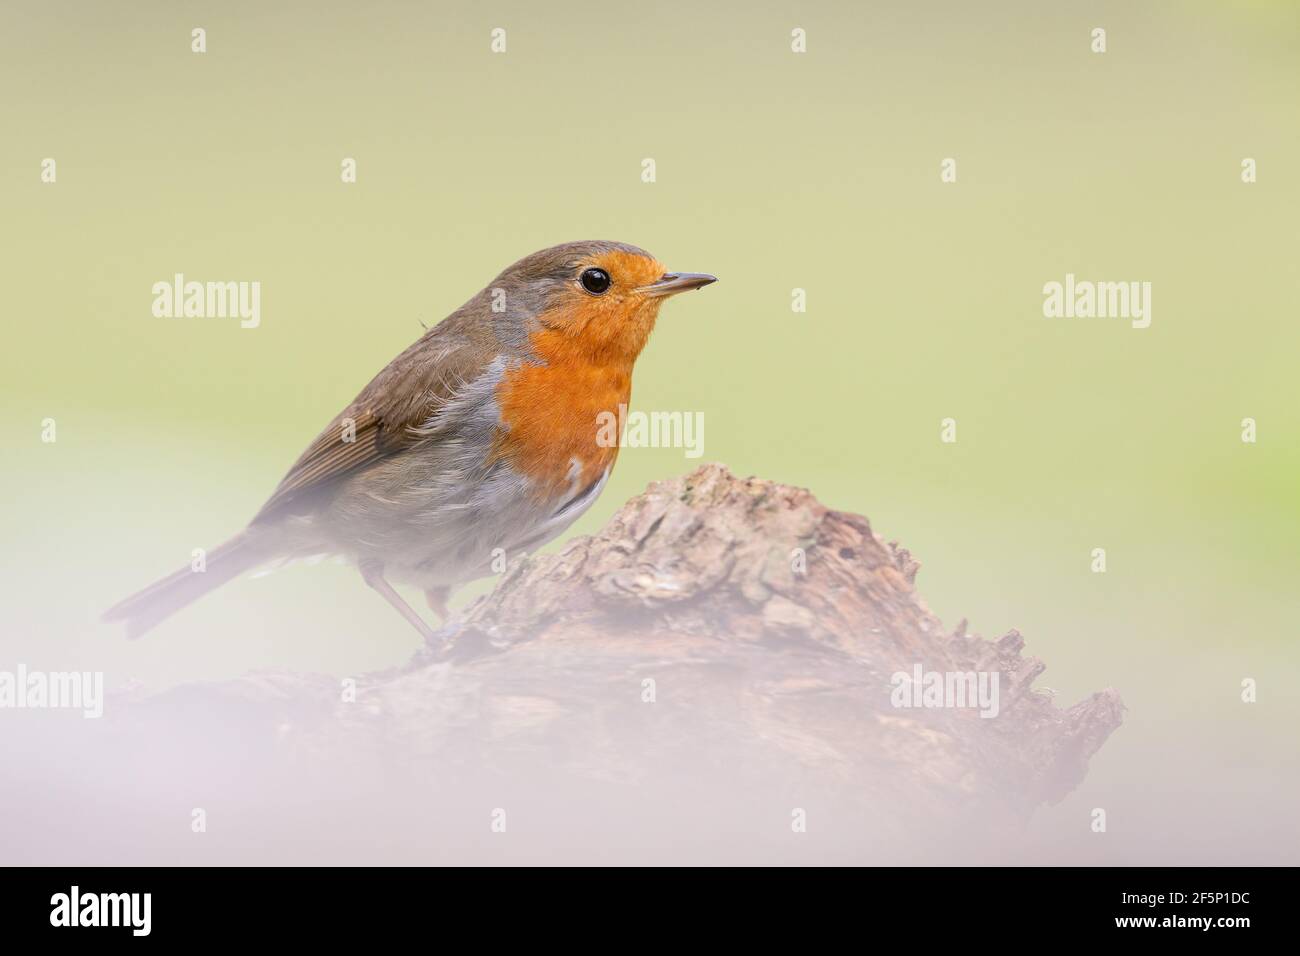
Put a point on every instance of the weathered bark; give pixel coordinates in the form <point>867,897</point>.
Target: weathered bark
<point>771,627</point>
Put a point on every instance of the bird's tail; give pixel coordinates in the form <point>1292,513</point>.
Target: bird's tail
<point>160,600</point>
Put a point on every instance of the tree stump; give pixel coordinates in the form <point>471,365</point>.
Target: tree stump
<point>713,677</point>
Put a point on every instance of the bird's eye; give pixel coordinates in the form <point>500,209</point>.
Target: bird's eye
<point>595,281</point>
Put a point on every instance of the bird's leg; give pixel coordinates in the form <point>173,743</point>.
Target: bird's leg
<point>374,576</point>
<point>437,598</point>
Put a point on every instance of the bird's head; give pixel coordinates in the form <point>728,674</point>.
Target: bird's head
<point>600,298</point>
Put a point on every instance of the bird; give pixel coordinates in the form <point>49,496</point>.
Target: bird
<point>482,435</point>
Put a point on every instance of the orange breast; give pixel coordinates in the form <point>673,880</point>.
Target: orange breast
<point>554,413</point>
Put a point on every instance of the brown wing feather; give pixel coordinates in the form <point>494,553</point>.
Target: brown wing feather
<point>386,415</point>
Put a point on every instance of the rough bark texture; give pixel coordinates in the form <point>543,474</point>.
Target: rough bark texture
<point>770,626</point>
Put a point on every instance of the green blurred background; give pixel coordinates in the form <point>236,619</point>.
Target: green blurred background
<point>775,171</point>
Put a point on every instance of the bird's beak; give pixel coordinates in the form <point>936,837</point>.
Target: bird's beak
<point>673,282</point>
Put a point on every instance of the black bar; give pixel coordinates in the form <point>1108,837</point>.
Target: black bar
<point>929,905</point>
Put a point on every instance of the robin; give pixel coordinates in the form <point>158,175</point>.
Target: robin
<point>481,435</point>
